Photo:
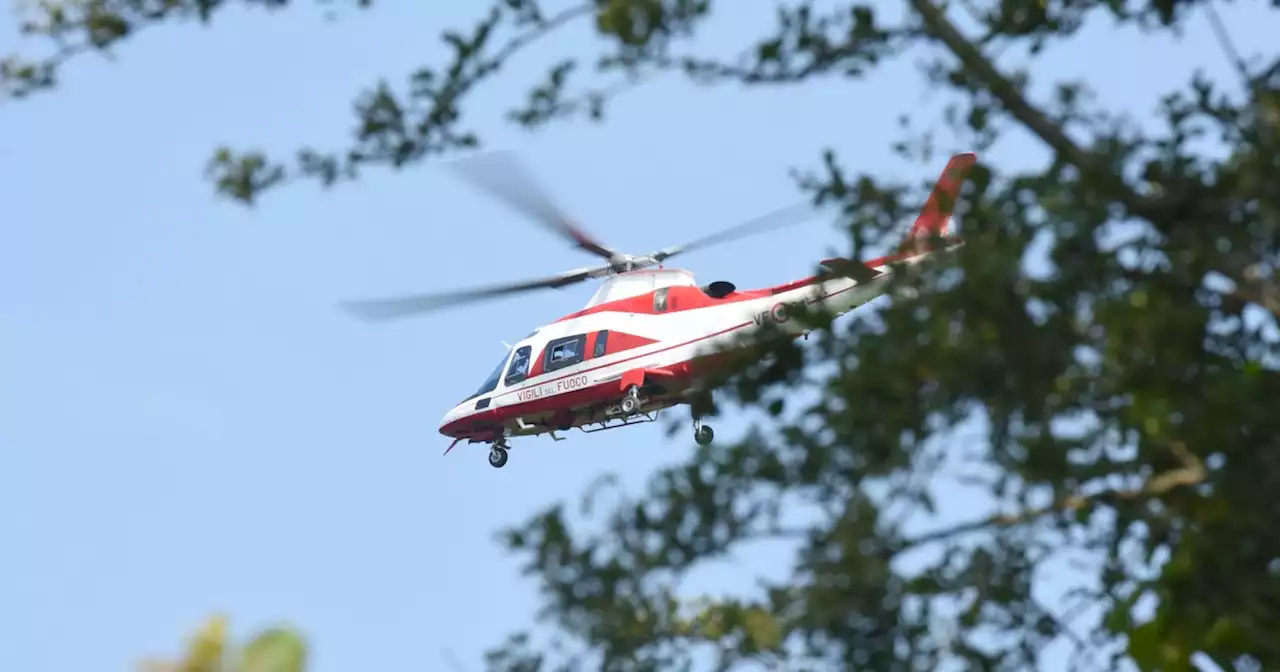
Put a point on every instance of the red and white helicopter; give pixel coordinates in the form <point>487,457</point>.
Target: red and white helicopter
<point>650,336</point>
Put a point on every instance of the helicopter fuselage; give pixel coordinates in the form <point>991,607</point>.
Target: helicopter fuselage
<point>650,338</point>
<point>659,346</point>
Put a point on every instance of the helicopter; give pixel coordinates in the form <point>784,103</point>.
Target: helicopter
<point>650,337</point>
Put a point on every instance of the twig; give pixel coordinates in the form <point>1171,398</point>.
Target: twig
<point>542,29</point>
<point>451,660</point>
<point>1228,46</point>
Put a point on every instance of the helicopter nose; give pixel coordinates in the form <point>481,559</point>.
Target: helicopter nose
<point>449,424</point>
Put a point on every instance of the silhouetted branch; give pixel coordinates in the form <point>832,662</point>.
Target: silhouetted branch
<point>976,64</point>
<point>1192,472</point>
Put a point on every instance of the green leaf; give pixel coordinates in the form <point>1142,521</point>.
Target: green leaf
<point>276,650</point>
<point>1144,647</point>
<point>1153,649</point>
<point>1226,634</point>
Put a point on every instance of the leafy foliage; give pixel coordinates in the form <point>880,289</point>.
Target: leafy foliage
<point>210,650</point>
<point>1109,333</point>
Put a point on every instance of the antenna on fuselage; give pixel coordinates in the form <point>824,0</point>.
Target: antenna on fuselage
<point>505,344</point>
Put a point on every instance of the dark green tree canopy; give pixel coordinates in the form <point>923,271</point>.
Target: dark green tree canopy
<point>1116,394</point>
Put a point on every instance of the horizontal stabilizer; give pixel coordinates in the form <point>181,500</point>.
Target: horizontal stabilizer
<point>855,270</point>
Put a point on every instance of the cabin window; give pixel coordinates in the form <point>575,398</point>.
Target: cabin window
<point>660,301</point>
<point>519,366</point>
<point>565,351</point>
<point>602,344</point>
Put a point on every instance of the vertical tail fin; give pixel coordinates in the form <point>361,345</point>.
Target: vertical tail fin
<point>935,217</point>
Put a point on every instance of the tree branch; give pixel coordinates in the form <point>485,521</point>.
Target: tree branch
<point>977,64</point>
<point>1001,87</point>
<point>1192,472</point>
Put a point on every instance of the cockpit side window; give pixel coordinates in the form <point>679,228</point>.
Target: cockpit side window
<point>519,368</point>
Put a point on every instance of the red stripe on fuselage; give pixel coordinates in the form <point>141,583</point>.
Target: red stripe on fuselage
<point>621,341</point>
<point>617,341</point>
<point>680,298</point>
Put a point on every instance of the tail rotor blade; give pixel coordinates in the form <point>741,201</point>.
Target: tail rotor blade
<point>504,177</point>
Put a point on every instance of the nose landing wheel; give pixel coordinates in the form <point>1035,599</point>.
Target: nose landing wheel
<point>703,435</point>
<point>498,456</point>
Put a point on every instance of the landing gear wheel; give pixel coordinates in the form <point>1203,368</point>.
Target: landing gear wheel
<point>498,457</point>
<point>704,435</point>
<point>630,403</point>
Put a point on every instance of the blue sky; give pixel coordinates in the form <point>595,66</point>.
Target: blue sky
<point>190,425</point>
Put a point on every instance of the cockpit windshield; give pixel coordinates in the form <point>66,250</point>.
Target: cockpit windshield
<point>490,383</point>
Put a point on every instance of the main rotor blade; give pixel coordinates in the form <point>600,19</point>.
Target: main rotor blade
<point>382,310</point>
<point>788,216</point>
<point>502,176</point>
